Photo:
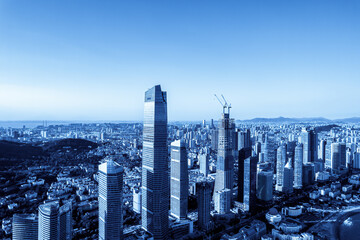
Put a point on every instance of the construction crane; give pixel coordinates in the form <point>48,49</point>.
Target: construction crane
<point>223,104</point>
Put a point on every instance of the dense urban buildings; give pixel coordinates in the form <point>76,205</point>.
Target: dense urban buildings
<point>158,180</point>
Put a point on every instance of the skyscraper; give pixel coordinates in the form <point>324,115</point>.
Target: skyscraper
<point>179,180</point>
<point>280,165</point>
<point>244,139</point>
<point>214,138</point>
<point>203,190</point>
<point>250,169</point>
<point>204,164</point>
<point>309,140</point>
<point>25,227</point>
<point>48,221</point>
<point>225,158</point>
<point>110,200</point>
<point>244,153</point>
<point>264,185</point>
<point>298,166</point>
<point>223,201</point>
<point>65,222</point>
<point>336,157</point>
<point>155,169</point>
<point>288,178</point>
<point>323,150</point>
<point>308,174</point>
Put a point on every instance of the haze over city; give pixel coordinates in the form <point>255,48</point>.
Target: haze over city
<point>66,60</point>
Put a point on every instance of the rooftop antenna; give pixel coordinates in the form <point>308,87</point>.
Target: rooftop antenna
<point>221,103</point>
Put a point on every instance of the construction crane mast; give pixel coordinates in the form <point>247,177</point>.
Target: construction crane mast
<point>224,104</point>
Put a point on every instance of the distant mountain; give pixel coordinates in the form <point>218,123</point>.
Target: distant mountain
<point>348,120</point>
<point>288,120</point>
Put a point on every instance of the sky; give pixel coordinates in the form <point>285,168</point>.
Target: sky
<point>94,60</point>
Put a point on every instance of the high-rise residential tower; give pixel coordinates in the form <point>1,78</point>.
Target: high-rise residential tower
<point>179,180</point>
<point>280,165</point>
<point>110,200</point>
<point>155,165</point>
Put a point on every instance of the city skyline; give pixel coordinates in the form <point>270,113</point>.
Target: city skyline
<point>269,60</point>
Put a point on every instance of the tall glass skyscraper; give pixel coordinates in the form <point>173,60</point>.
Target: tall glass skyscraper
<point>155,165</point>
<point>110,200</point>
<point>179,180</point>
<point>203,191</point>
<point>25,227</point>
<point>49,221</point>
<point>225,158</point>
<point>250,169</point>
<point>65,222</point>
<point>309,140</point>
<point>298,166</point>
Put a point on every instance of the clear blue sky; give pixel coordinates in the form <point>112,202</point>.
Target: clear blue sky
<point>93,60</point>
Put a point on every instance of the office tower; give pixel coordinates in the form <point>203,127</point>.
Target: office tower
<point>204,164</point>
<point>48,221</point>
<point>65,221</point>
<point>214,139</point>
<point>250,169</point>
<point>204,123</point>
<point>298,166</point>
<point>290,151</point>
<point>225,160</point>
<point>356,159</point>
<point>335,157</point>
<point>280,164</point>
<point>110,200</point>
<point>323,150</point>
<point>244,139</point>
<point>343,155</point>
<point>203,191</point>
<point>212,124</point>
<point>264,185</point>
<point>309,141</point>
<point>244,153</point>
<point>269,148</point>
<point>308,174</point>
<point>288,178</point>
<point>25,227</point>
<point>155,169</point>
<point>179,180</point>
<point>257,148</point>
<point>223,201</point>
